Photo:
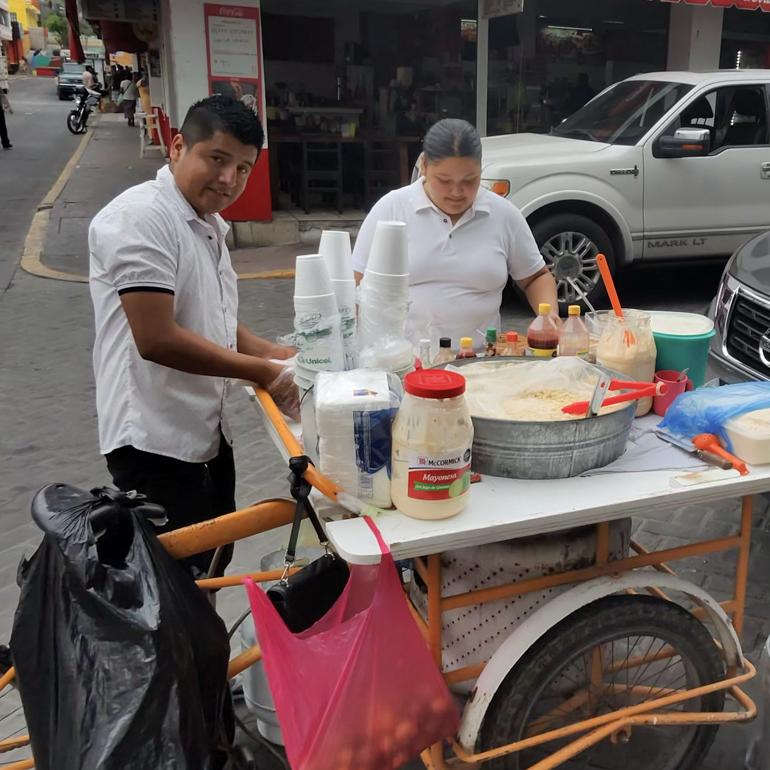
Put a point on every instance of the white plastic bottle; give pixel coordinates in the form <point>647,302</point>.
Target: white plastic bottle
<point>574,337</point>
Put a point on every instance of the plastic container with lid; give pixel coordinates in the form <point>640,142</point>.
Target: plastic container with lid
<point>543,334</point>
<point>491,348</point>
<point>512,347</point>
<point>432,440</point>
<point>749,436</point>
<point>445,354</point>
<point>574,337</point>
<point>682,341</point>
<point>466,348</point>
<point>627,346</point>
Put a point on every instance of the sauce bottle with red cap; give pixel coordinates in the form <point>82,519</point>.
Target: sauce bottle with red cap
<point>432,441</point>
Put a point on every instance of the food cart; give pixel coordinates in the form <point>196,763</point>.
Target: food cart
<point>616,647</point>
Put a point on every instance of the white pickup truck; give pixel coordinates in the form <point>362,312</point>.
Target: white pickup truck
<point>660,167</point>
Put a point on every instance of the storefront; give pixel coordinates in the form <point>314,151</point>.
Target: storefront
<point>347,88</point>
<point>549,60</point>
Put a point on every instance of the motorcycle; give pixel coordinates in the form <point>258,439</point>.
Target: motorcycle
<point>85,101</point>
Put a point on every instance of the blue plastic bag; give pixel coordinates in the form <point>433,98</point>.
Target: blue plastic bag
<point>708,409</point>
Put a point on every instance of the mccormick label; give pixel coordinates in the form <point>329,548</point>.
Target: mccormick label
<point>439,477</point>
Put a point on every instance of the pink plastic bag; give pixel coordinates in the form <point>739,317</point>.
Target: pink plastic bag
<point>359,690</point>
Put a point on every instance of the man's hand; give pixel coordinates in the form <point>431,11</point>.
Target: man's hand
<point>286,394</point>
<point>282,352</point>
<point>249,343</point>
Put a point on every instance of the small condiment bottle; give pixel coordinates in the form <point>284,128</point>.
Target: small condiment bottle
<point>445,354</point>
<point>491,342</point>
<point>574,337</point>
<point>425,353</point>
<point>511,344</point>
<point>501,343</point>
<point>543,334</point>
<point>466,348</point>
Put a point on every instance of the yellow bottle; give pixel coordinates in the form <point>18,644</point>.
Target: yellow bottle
<point>466,348</point>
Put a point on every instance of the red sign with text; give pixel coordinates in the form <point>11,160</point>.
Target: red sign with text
<point>746,5</point>
<point>234,55</point>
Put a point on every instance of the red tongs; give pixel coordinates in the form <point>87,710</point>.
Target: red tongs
<point>638,390</point>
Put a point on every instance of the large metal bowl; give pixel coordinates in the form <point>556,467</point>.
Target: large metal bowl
<point>516,449</point>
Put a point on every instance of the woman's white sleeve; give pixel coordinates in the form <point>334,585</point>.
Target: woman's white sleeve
<point>524,257</point>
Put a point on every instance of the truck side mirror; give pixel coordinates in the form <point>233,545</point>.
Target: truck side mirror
<point>685,143</point>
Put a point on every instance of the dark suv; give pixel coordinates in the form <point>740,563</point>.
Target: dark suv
<point>70,80</point>
<point>740,350</point>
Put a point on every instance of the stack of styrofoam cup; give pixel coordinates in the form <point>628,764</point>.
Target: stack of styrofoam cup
<point>318,337</point>
<point>316,320</point>
<point>385,299</point>
<point>335,249</point>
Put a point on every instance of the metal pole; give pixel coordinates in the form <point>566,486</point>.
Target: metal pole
<point>482,70</point>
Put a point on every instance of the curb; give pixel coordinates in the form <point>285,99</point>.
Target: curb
<point>31,261</point>
<point>35,240</point>
<point>266,274</point>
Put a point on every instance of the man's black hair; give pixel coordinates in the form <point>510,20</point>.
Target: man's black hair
<point>225,114</point>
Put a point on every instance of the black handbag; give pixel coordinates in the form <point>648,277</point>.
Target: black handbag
<point>305,597</point>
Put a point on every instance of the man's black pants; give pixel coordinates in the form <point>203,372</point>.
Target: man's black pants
<point>190,492</point>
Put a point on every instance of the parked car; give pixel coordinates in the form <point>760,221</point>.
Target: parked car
<point>70,79</point>
<point>662,166</point>
<point>740,350</point>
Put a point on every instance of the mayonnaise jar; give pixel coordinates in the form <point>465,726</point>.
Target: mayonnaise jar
<point>432,439</point>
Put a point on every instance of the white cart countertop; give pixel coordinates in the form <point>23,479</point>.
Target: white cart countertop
<point>504,509</point>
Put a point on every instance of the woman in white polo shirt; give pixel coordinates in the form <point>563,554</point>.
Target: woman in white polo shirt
<point>464,241</point>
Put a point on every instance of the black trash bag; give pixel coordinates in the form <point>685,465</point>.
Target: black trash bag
<point>121,660</point>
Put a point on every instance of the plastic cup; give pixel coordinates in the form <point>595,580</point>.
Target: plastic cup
<point>674,388</point>
<point>312,277</point>
<point>335,249</point>
<point>389,254</point>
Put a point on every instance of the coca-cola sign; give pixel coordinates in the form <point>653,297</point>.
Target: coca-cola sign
<point>232,11</point>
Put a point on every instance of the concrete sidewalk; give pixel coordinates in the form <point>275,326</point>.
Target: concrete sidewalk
<point>111,164</point>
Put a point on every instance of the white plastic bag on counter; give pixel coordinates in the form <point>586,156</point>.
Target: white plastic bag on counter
<point>531,390</point>
<point>354,415</point>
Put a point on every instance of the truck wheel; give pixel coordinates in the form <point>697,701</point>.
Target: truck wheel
<point>618,652</point>
<point>569,244</point>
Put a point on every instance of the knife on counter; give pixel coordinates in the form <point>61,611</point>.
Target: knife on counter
<point>710,458</point>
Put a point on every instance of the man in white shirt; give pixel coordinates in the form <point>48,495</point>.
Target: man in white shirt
<point>168,340</point>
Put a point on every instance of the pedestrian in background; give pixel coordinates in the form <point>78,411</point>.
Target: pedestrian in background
<point>89,78</point>
<point>130,90</point>
<point>5,106</point>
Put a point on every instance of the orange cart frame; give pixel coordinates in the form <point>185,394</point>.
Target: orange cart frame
<point>277,512</point>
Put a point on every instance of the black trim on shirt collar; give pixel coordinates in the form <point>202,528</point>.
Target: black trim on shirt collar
<point>131,289</point>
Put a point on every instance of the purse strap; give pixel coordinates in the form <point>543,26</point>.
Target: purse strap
<point>300,491</point>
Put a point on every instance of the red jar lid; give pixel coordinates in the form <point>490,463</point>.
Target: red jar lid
<point>434,383</point>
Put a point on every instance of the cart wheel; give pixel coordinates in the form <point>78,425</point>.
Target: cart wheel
<point>614,653</point>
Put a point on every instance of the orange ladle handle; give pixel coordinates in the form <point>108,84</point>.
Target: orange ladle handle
<point>710,443</point>
<point>609,284</point>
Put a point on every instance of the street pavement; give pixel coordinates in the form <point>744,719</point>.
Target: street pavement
<point>48,422</point>
<point>42,145</point>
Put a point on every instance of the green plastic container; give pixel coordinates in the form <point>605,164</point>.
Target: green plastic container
<point>687,350</point>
